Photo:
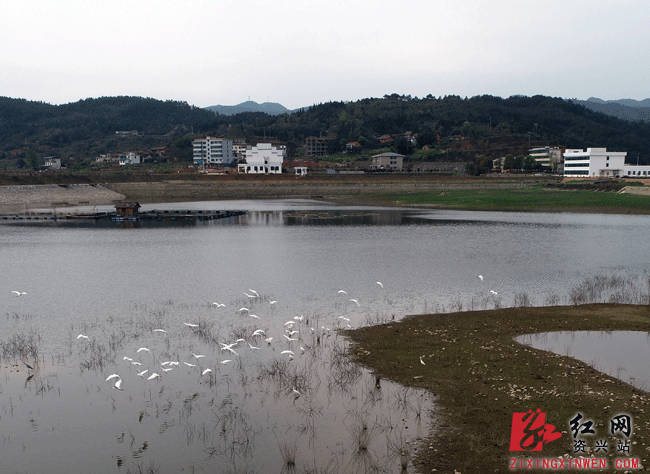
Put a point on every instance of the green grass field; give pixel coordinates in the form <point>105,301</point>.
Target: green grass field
<point>531,199</point>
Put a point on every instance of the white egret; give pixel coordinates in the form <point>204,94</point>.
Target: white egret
<point>480,277</point>
<point>243,310</point>
<point>218,305</point>
<point>253,291</point>
<point>134,362</point>
<point>295,392</point>
<point>355,301</point>
<point>287,352</point>
<point>159,330</point>
<point>167,369</point>
<point>127,358</point>
<point>81,336</point>
<point>343,291</point>
<point>250,296</point>
<point>493,292</point>
<point>380,284</point>
<point>290,338</point>
<point>272,302</point>
<point>224,362</point>
<point>344,318</point>
<point>118,385</point>
<point>197,356</point>
<point>254,316</point>
<point>18,293</point>
<point>153,376</point>
<point>191,325</point>
<point>206,371</point>
<point>258,332</point>
<point>299,318</point>
<point>113,376</point>
<point>141,373</point>
<point>252,346</point>
<point>189,365</point>
<point>143,349</point>
<point>421,361</point>
<point>268,340</point>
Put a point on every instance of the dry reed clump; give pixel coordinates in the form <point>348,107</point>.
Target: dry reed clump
<point>21,347</point>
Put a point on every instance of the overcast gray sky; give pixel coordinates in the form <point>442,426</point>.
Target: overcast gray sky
<point>299,53</point>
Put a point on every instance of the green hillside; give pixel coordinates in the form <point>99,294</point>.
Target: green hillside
<point>460,128</point>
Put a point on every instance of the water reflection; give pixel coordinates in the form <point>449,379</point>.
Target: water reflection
<point>621,354</point>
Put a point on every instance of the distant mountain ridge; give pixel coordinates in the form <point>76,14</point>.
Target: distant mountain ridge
<point>271,108</point>
<point>625,109</point>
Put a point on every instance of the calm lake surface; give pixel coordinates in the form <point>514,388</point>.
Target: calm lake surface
<point>116,284</point>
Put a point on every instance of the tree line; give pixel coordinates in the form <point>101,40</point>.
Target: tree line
<point>87,128</point>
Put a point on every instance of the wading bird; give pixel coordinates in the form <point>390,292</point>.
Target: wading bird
<point>191,325</point>
<point>421,361</point>
<point>159,330</point>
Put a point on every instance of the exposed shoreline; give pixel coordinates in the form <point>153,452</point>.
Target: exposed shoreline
<point>348,190</point>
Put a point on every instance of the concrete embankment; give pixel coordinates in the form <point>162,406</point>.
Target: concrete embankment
<point>23,198</point>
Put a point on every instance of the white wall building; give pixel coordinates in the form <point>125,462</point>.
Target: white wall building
<point>600,163</point>
<point>52,163</point>
<point>388,161</point>
<point>263,158</point>
<point>130,158</point>
<point>212,151</point>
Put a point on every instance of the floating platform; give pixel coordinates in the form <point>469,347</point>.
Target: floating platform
<point>153,215</point>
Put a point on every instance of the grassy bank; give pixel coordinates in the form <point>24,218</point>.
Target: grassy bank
<point>480,376</point>
<point>537,198</point>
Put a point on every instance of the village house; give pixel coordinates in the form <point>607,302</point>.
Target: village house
<point>387,162</point>
<point>52,163</point>
<point>264,158</point>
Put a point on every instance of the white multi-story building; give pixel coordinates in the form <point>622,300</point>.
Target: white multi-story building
<point>600,163</point>
<point>263,158</point>
<point>212,151</point>
<point>548,157</point>
<point>388,161</point>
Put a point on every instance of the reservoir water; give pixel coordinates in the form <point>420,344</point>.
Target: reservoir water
<point>259,408</point>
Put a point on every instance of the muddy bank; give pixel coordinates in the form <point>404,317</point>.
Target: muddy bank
<point>171,191</point>
<point>23,198</point>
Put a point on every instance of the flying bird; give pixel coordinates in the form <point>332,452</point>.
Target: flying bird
<point>355,301</point>
<point>421,361</point>
<point>480,277</point>
<point>143,349</point>
<point>153,376</point>
<point>380,284</point>
<point>159,330</point>
<point>206,371</point>
<point>18,293</point>
<point>191,325</point>
<point>218,305</point>
<point>81,336</point>
<point>141,374</point>
<point>343,291</point>
<point>493,292</point>
<point>224,362</point>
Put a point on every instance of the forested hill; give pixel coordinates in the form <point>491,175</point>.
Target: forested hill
<point>86,128</point>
